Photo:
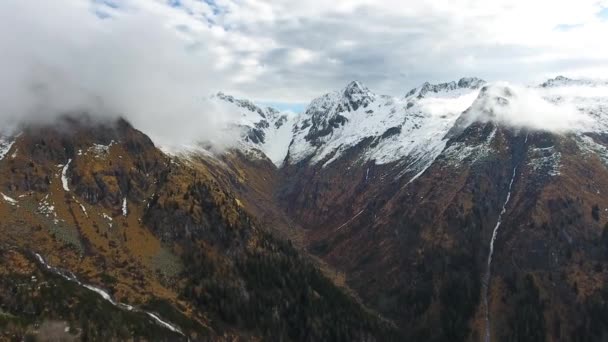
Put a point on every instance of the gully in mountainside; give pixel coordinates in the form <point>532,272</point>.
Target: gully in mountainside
<point>518,156</point>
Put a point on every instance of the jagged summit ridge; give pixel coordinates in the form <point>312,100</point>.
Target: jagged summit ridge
<point>248,105</point>
<point>350,98</point>
<point>463,83</point>
<point>357,95</point>
<point>562,81</point>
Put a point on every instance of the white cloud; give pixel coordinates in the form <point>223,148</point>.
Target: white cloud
<point>64,59</point>
<point>518,106</point>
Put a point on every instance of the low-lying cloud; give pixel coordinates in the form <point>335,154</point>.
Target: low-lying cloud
<point>60,57</point>
<point>531,108</point>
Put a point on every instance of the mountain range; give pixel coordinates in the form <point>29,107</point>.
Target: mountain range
<point>460,211</point>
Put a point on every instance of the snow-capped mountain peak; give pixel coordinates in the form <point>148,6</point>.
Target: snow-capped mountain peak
<point>409,129</point>
<point>357,95</point>
<point>245,104</point>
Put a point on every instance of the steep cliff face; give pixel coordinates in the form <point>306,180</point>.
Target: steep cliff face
<point>96,210</point>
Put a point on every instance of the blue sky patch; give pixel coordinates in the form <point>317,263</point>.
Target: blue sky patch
<point>603,13</point>
<point>567,27</point>
<point>294,107</point>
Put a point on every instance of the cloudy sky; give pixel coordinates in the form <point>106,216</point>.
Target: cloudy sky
<point>287,52</point>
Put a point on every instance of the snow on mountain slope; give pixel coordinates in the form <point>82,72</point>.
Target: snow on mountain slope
<point>410,128</point>
<point>264,129</point>
<point>5,146</point>
<point>413,130</point>
<point>589,97</point>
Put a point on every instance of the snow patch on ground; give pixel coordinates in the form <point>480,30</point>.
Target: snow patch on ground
<point>124,207</point>
<point>47,209</point>
<point>8,199</point>
<point>98,150</point>
<point>590,147</point>
<point>545,159</point>
<point>109,218</point>
<point>84,210</point>
<point>458,152</point>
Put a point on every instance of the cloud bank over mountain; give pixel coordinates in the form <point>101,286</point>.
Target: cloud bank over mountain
<point>531,108</point>
<point>63,59</point>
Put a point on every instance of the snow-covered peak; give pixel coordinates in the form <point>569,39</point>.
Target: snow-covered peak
<point>471,82</point>
<point>410,130</point>
<point>465,84</point>
<point>350,98</point>
<point>357,95</point>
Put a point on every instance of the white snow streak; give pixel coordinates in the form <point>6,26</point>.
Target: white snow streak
<point>64,177</point>
<point>486,279</point>
<point>165,324</point>
<point>351,219</point>
<point>419,173</point>
<point>84,210</point>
